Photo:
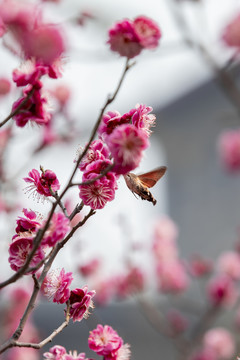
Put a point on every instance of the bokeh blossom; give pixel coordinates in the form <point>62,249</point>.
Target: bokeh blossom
<point>129,38</point>
<point>222,290</point>
<point>56,286</point>
<point>229,149</point>
<point>80,303</point>
<point>5,86</point>
<point>58,228</point>
<point>220,341</point>
<point>231,34</point>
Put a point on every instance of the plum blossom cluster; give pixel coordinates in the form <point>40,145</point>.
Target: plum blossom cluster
<point>129,37</point>
<point>56,287</point>
<point>118,150</point>
<point>42,46</point>
<point>22,242</point>
<point>59,352</point>
<point>103,340</point>
<point>106,342</point>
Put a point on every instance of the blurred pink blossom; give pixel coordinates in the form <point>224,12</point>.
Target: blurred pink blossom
<point>133,282</point>
<point>172,277</point>
<point>90,267</point>
<point>229,149</point>
<point>229,264</point>
<point>124,40</point>
<point>148,32</point>
<point>221,290</point>
<point>220,341</point>
<point>59,227</point>
<point>28,73</point>
<point>5,86</point>
<point>177,321</point>
<point>199,266</point>
<point>231,34</point>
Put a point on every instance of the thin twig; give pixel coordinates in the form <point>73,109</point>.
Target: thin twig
<point>91,181</point>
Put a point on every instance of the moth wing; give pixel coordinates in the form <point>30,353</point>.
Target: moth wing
<point>150,178</point>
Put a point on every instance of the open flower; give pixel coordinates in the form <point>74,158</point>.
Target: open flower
<point>126,144</point>
<point>56,352</point>
<point>56,286</point>
<point>27,223</point>
<point>59,226</point>
<point>101,191</point>
<point>19,250</point>
<point>40,184</point>
<point>104,340</point>
<point>148,32</point>
<point>80,303</point>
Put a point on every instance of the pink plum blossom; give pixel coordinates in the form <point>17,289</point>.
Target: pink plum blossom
<point>40,183</point>
<point>142,119</point>
<point>221,290</point>
<point>108,123</point>
<point>80,303</point>
<point>172,277</point>
<point>28,73</point>
<point>45,43</point>
<point>97,151</point>
<point>131,283</point>
<point>124,40</point>
<point>90,267</point>
<point>126,144</point>
<point>56,286</point>
<point>229,149</point>
<point>34,108</point>
<point>231,34</point>
<point>199,266</point>
<point>164,244</point>
<point>148,32</point>
<point>62,94</point>
<point>59,227</point>
<point>177,321</point>
<point>104,340</point>
<point>123,353</point>
<point>56,352</point>
<point>19,250</point>
<point>220,341</point>
<point>5,86</point>
<point>229,264</point>
<point>73,355</point>
<point>27,223</point>
<point>98,193</point>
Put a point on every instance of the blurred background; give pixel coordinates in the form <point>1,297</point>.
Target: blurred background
<point>183,81</point>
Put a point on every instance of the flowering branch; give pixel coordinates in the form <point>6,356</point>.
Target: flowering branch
<point>18,108</point>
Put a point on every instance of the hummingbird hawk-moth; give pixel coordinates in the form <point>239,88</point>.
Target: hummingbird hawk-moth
<point>139,184</point>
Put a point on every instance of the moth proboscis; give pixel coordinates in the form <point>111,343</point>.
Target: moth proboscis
<point>140,184</point>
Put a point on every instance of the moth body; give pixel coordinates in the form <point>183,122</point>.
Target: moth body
<point>139,184</point>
